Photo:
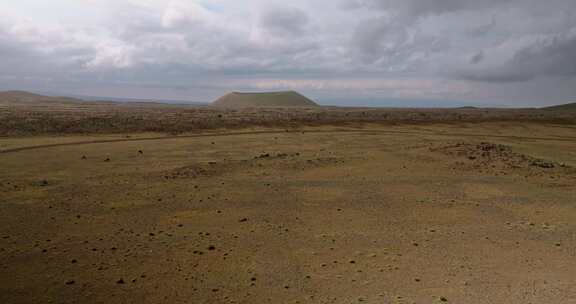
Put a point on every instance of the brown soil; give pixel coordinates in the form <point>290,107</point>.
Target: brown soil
<point>363,213</point>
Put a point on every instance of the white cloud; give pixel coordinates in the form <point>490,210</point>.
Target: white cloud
<point>461,47</point>
<point>111,55</point>
<point>187,13</point>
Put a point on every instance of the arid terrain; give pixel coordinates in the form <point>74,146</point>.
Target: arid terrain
<point>170,204</point>
<point>25,114</point>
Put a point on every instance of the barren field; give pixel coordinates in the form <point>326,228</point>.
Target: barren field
<point>342,210</point>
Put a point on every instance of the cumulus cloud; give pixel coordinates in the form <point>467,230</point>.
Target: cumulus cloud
<point>111,54</point>
<point>474,49</point>
<point>182,13</point>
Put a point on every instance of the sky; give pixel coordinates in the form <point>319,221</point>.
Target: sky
<point>345,52</point>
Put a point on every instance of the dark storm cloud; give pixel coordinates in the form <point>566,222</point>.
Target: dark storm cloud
<point>420,8</point>
<point>477,58</point>
<point>520,39</point>
<point>553,56</point>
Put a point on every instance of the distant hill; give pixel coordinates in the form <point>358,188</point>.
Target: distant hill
<point>23,97</point>
<point>271,99</point>
<point>564,107</point>
<point>126,100</point>
<point>28,98</point>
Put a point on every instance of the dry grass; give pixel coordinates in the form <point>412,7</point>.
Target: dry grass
<point>77,118</point>
<point>461,213</point>
<point>101,204</point>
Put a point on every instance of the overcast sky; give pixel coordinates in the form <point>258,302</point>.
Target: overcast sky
<point>486,52</point>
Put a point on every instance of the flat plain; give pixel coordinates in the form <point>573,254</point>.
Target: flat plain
<point>342,210</point>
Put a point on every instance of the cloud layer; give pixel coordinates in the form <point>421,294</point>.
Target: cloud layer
<point>493,51</point>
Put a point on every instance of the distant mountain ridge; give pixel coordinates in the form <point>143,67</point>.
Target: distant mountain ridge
<point>24,98</point>
<point>27,97</point>
<point>563,107</point>
<point>267,99</point>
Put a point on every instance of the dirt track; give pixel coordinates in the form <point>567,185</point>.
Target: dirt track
<point>215,135</point>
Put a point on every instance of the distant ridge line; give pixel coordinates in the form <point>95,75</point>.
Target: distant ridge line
<point>562,107</point>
